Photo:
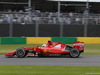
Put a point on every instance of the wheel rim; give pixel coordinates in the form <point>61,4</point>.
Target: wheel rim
<point>20,53</point>
<point>74,53</point>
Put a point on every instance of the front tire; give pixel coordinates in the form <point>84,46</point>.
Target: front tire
<point>74,53</point>
<point>21,53</point>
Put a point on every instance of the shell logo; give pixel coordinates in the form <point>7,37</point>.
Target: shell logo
<point>34,49</point>
<point>44,50</point>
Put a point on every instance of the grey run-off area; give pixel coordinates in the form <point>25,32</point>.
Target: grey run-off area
<point>83,60</point>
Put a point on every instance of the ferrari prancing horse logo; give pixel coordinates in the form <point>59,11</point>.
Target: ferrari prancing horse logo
<point>34,49</point>
<point>54,44</point>
<point>50,51</point>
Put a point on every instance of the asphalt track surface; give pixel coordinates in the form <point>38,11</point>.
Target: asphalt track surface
<point>83,60</point>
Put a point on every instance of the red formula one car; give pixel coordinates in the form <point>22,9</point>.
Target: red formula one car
<point>51,49</point>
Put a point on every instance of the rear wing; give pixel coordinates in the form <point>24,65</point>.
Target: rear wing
<point>79,45</point>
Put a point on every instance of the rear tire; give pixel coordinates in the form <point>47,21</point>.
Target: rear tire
<point>21,53</point>
<point>74,53</point>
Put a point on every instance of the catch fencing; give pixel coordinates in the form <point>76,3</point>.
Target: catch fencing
<point>28,25</point>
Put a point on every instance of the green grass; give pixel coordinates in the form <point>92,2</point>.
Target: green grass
<point>48,70</point>
<point>92,49</point>
<point>89,49</point>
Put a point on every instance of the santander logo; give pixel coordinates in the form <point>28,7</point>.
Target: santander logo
<point>78,44</point>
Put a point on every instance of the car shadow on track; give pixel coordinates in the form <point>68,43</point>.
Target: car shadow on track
<point>52,57</point>
<point>46,57</point>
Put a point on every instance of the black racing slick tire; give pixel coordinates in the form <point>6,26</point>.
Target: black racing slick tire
<point>21,53</point>
<point>74,53</point>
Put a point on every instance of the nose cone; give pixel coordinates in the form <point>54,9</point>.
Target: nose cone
<point>10,53</point>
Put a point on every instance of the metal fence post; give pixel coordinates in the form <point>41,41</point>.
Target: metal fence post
<point>87,14</point>
<point>11,26</point>
<point>37,29</point>
<point>85,28</point>
<point>61,29</point>
<point>59,8</point>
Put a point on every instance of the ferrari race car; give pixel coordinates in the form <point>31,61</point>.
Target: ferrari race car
<point>52,48</point>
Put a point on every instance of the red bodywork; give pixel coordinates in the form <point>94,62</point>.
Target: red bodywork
<point>79,45</point>
<point>53,48</point>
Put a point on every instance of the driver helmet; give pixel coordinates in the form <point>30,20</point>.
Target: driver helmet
<point>44,45</point>
<point>49,43</point>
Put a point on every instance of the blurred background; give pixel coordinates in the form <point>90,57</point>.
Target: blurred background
<point>43,18</point>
